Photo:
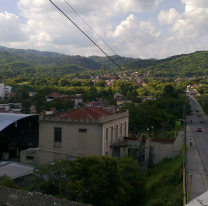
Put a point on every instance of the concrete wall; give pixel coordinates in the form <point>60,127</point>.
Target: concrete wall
<point>32,153</point>
<point>1,90</point>
<point>162,149</point>
<point>179,141</point>
<point>73,142</point>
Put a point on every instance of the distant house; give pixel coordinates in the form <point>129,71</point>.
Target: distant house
<point>120,102</point>
<point>4,107</point>
<point>85,131</point>
<point>118,96</point>
<point>77,99</point>
<point>5,90</point>
<point>31,94</point>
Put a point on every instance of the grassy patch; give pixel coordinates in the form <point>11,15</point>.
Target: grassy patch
<point>165,183</point>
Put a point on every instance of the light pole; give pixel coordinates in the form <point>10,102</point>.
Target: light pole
<point>152,131</point>
<point>148,130</point>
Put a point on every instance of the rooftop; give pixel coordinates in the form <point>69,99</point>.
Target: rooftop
<point>89,113</point>
<point>15,169</point>
<point>8,118</point>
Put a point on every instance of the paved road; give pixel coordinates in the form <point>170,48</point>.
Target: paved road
<point>201,138</point>
<point>197,155</point>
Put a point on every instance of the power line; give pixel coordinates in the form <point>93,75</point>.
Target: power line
<point>92,29</point>
<point>92,40</point>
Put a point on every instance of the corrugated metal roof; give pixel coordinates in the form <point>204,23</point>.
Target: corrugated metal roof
<point>15,169</point>
<point>8,118</point>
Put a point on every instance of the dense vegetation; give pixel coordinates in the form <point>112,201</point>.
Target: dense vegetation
<point>188,65</point>
<point>109,181</point>
<point>30,63</point>
<point>165,183</point>
<point>160,113</point>
<point>122,61</point>
<point>93,180</point>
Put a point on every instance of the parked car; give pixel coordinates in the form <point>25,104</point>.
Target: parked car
<point>199,130</point>
<point>201,121</point>
<point>199,114</point>
<point>197,110</point>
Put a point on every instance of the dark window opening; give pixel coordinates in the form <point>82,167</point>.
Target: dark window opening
<point>57,134</point>
<point>30,157</point>
<point>83,130</point>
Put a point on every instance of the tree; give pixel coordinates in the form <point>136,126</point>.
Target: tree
<point>6,181</point>
<point>100,83</point>
<point>95,180</point>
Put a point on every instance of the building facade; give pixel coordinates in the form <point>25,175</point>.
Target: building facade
<point>85,131</point>
<point>5,90</point>
<point>1,91</point>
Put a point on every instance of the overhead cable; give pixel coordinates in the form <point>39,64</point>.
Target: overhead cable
<point>92,40</point>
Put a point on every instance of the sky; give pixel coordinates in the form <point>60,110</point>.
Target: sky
<point>132,28</point>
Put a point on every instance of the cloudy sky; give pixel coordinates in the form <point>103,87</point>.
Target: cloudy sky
<point>132,28</point>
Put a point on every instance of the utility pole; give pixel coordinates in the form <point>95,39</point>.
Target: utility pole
<point>185,124</point>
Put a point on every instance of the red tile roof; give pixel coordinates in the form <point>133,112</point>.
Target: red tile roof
<point>85,113</point>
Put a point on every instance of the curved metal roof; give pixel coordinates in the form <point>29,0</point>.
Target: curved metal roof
<point>8,118</point>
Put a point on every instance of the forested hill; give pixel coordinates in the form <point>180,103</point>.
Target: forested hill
<point>121,61</point>
<point>31,52</point>
<point>46,59</point>
<point>185,65</point>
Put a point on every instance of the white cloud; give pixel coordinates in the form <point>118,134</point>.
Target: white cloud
<point>135,32</point>
<point>168,17</point>
<point>194,4</point>
<point>47,26</point>
<point>11,29</point>
<point>120,23</point>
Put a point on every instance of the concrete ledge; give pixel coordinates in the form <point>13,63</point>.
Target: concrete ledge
<point>14,197</point>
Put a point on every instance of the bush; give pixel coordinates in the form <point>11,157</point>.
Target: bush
<point>6,181</point>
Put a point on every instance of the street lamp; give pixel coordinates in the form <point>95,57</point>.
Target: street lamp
<point>152,131</point>
<point>148,130</point>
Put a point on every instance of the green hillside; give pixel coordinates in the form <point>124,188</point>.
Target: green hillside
<point>12,66</point>
<point>185,65</point>
<point>17,61</point>
<point>121,61</point>
<point>49,59</point>
<point>31,52</point>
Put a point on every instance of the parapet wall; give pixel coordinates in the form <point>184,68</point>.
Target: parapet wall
<point>14,197</point>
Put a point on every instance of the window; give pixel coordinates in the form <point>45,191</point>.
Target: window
<point>30,157</point>
<point>57,134</point>
<point>83,130</point>
<point>121,130</point>
<point>111,133</point>
<point>106,136</point>
<point>116,132</point>
<point>124,129</point>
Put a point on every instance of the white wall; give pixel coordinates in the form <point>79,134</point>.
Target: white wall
<point>7,89</point>
<point>1,90</point>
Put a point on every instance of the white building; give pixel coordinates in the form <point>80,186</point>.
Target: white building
<point>82,132</point>
<point>4,90</point>
<point>7,89</point>
<point>1,90</point>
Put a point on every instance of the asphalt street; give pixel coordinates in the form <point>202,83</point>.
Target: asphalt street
<point>201,138</point>
<point>197,155</point>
